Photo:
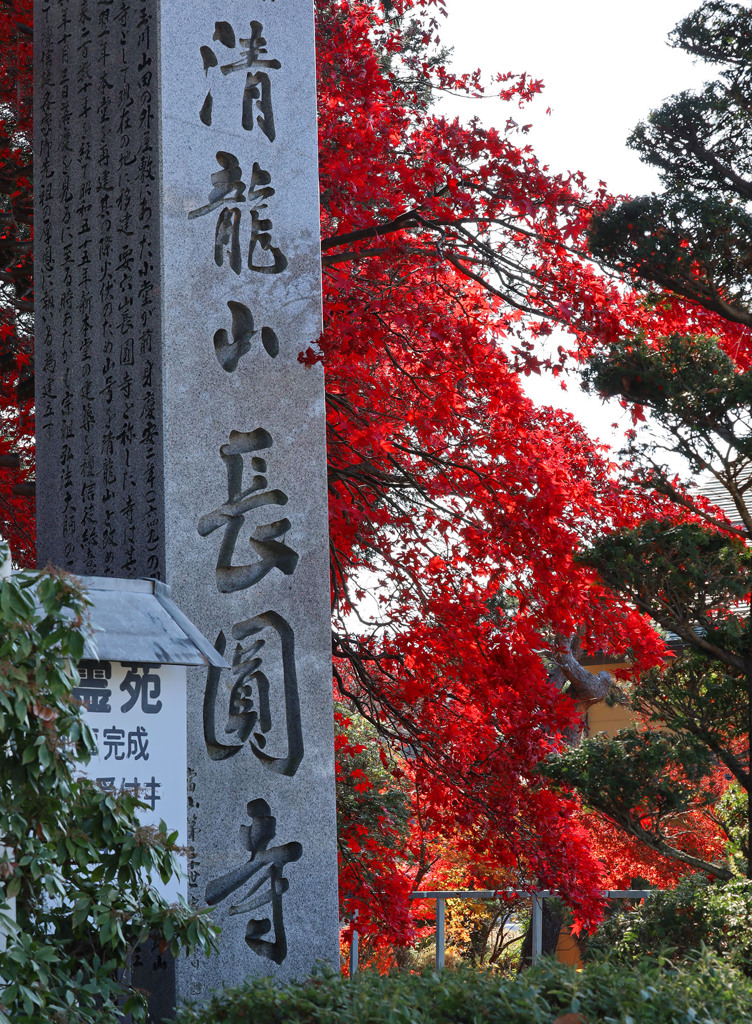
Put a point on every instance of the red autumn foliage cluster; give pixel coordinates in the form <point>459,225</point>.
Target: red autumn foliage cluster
<point>456,505</point>
<point>16,284</point>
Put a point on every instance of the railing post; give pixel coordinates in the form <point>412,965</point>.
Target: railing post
<point>537,926</point>
<point>440,939</point>
<point>354,948</point>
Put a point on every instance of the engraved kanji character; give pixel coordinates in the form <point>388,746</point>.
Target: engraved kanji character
<point>228,352</point>
<point>114,742</point>
<point>258,711</point>
<point>255,62</point>
<point>260,191</point>
<point>227,231</point>
<point>267,540</point>
<point>261,236</point>
<point>269,865</point>
<point>228,183</point>
<point>143,685</point>
<point>138,743</point>
<point>227,236</point>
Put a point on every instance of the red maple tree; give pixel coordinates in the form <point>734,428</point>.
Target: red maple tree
<point>16,282</point>
<point>456,505</point>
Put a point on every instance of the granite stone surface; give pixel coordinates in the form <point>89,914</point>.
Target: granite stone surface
<point>179,280</point>
<point>97,297</point>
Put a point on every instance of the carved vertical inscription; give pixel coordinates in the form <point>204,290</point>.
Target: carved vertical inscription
<point>254,707</point>
<point>177,239</point>
<point>99,477</point>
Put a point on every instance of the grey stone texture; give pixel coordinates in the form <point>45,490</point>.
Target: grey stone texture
<point>179,435</point>
<point>98,308</point>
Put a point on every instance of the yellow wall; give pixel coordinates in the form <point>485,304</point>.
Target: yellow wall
<point>568,949</point>
<point>602,718</point>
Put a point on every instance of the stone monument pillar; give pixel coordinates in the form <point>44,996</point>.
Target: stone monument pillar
<point>179,434</point>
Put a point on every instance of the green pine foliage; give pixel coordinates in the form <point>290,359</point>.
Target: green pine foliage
<point>693,238</point>
<point>687,567</point>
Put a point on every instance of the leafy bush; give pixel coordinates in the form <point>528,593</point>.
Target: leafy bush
<point>653,992</point>
<point>75,858</point>
<point>677,921</point>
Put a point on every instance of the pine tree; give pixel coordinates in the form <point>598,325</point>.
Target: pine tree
<point>687,567</point>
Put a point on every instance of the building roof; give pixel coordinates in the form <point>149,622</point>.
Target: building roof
<point>714,491</point>
<point>136,621</point>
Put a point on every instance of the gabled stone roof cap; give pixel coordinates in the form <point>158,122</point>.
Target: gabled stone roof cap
<point>136,621</point>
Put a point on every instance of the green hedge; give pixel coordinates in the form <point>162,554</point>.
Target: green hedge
<point>704,992</point>
<point>675,922</point>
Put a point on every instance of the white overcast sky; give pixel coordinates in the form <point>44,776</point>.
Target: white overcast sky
<point>605,64</point>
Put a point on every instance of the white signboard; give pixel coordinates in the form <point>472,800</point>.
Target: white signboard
<point>137,714</point>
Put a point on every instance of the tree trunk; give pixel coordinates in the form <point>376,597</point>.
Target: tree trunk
<point>553,919</point>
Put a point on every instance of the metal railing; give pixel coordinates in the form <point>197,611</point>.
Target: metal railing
<point>442,895</point>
